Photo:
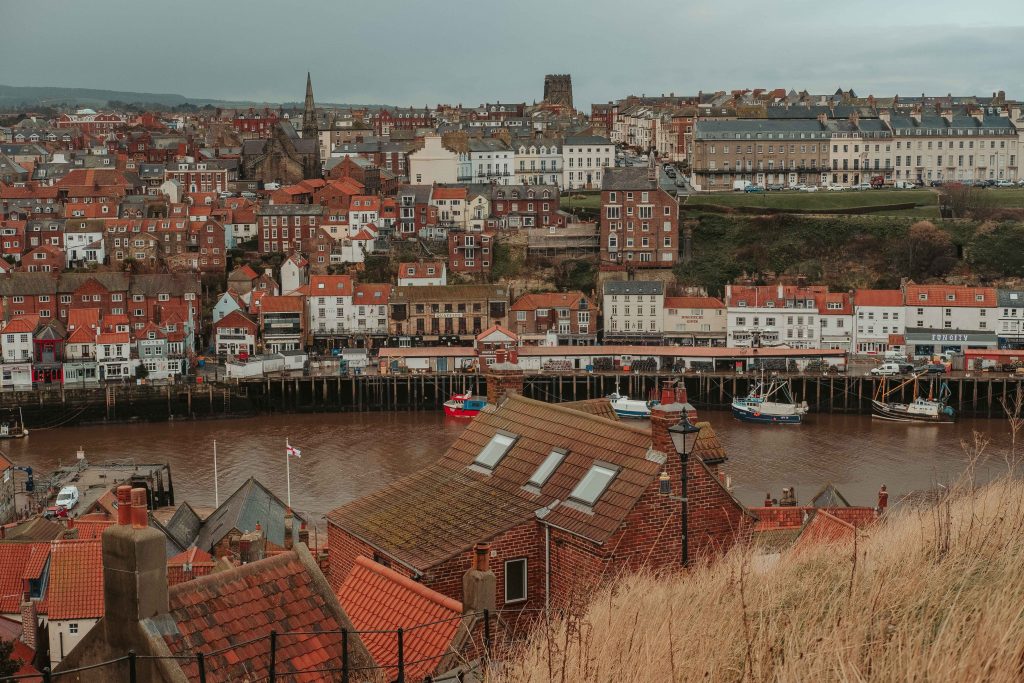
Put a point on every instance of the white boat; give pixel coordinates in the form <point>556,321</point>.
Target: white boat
<point>928,410</point>
<point>771,403</point>
<point>624,406</point>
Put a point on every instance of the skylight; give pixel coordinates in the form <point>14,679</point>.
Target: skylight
<point>495,450</point>
<point>547,468</point>
<point>593,484</point>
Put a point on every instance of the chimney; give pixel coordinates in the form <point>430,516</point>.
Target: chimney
<point>883,500</point>
<point>29,622</point>
<point>252,546</point>
<point>134,567</point>
<point>289,524</point>
<point>304,534</point>
<point>70,530</point>
<point>478,584</point>
<point>502,377</point>
<point>662,417</point>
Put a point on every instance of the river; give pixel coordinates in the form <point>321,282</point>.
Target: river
<point>348,455</point>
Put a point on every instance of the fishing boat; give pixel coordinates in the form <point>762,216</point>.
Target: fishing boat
<point>769,402</point>
<point>464,405</point>
<point>624,406</point>
<point>931,410</point>
<point>12,426</point>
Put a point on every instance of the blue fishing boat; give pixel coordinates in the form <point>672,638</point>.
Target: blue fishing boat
<point>769,402</point>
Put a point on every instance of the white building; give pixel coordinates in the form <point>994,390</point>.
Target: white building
<point>835,314</point>
<point>16,340</point>
<point>423,274</point>
<point>487,160</point>
<point>113,354</point>
<point>944,318</point>
<point>1011,316</point>
<point>330,303</point>
<point>878,320</point>
<point>83,242</point>
<point>294,273</point>
<point>538,162</point>
<point>773,315</point>
<point>369,313</point>
<point>584,160</point>
<point>633,309</point>
<point>434,163</point>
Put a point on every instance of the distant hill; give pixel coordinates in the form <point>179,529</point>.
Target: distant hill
<point>26,97</point>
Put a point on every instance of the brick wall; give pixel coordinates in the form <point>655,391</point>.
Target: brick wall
<point>344,548</point>
<point>717,520</point>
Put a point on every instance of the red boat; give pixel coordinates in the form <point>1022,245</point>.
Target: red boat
<point>464,405</point>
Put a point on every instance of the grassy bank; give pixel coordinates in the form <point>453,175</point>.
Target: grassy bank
<point>822,201</point>
<point>934,593</point>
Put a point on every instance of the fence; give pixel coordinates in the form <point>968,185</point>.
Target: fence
<point>490,623</point>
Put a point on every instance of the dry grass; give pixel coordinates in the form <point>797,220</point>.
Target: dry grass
<point>935,593</point>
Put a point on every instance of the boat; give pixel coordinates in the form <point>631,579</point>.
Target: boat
<point>769,402</point>
<point>464,405</point>
<point>624,406</point>
<point>931,410</point>
<point>13,426</point>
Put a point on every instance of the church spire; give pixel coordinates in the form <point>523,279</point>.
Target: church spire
<point>309,125</point>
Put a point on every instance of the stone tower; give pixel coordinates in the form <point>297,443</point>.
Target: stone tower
<point>311,131</point>
<point>558,89</point>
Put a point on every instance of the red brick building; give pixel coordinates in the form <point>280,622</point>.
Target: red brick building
<point>639,220</point>
<point>570,315</point>
<point>254,123</point>
<point>282,228</point>
<point>526,206</point>
<point>566,495</point>
<point>471,253</point>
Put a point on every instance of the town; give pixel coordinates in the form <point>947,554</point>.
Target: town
<point>502,251</point>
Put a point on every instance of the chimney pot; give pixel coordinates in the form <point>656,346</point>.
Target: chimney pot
<point>139,508</point>
<point>482,557</point>
<point>883,499</point>
<point>124,505</point>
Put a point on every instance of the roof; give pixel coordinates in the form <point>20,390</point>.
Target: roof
<point>644,287</point>
<point>617,350</point>
<point>829,497</point>
<point>371,294</point>
<point>282,304</point>
<point>76,580</point>
<point>419,269</point>
<point>822,527</point>
<point>414,294</point>
<point>189,564</point>
<point>834,303</point>
<point>220,613</point>
<point>950,296</point>
<point>531,302</point>
<point>628,178</point>
<point>878,297</point>
<point>19,561</point>
<point>249,505</point>
<point>1010,298</point>
<point>449,193</point>
<point>183,526</point>
<point>377,598</point>
<point>36,529</point>
<point>235,318</point>
<point>442,510</point>
<point>693,302</point>
<point>330,285</point>
<point>21,324</point>
<point>768,296</point>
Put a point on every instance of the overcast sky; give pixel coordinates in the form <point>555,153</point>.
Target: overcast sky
<point>414,52</point>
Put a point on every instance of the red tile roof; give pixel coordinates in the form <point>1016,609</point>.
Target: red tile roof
<point>76,580</point>
<point>365,202</point>
<point>939,295</point>
<point>21,324</point>
<point>419,269</point>
<point>369,294</point>
<point>280,593</point>
<point>823,527</point>
<point>282,304</point>
<point>330,285</point>
<point>236,319</point>
<point>693,302</point>
<point>113,338</point>
<point>188,565</point>
<point>841,298</point>
<point>448,193</point>
<point>761,296</point>
<point>878,297</point>
<point>377,598</point>
<point>531,302</point>
<point>83,317</point>
<point>26,673</point>
<point>19,561</point>
<point>92,528</point>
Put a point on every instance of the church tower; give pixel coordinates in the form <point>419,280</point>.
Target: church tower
<point>310,129</point>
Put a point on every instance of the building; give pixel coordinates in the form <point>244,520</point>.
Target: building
<point>201,176</point>
<point>633,310</point>
<point>455,313</point>
<point>562,317</point>
<point>471,253</point>
<point>282,323</point>
<point>538,162</point>
<point>487,161</point>
<point>330,305</point>
<point>284,227</point>
<point>947,318</point>
<point>773,315</point>
<point>284,156</point>
<point>74,594</point>
<point>879,320</point>
<point>565,498</point>
<point>422,274</point>
<point>526,206</point>
<point>639,220</point>
<point>369,316</point>
<point>558,90</point>
<point>835,313</point>
<point>1011,318</point>
<point>585,159</point>
<point>433,163</point>
<point>694,320</point>
<point>234,334</point>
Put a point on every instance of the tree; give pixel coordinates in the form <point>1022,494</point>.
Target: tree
<point>141,372</point>
<point>961,201</point>
<point>996,252</point>
<point>927,252</point>
<point>8,664</point>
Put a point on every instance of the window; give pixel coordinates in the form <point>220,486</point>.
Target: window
<point>73,627</point>
<point>547,468</point>
<point>495,450</point>
<point>593,484</point>
<point>515,580</point>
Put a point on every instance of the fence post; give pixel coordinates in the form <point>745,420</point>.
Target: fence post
<point>401,657</point>
<point>344,656</point>
<point>272,677</point>
<point>201,661</point>
<point>487,632</point>
<point>132,674</point>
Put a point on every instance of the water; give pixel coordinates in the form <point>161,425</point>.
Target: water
<point>348,455</point>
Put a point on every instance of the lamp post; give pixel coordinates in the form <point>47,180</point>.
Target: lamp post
<point>684,435</point>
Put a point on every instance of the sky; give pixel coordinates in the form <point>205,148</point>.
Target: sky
<point>414,52</point>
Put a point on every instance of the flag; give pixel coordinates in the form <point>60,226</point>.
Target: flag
<point>294,452</point>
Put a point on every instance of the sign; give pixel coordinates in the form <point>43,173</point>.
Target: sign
<point>450,314</point>
<point>949,337</point>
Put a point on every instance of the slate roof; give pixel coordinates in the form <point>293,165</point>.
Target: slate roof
<point>249,505</point>
<point>286,592</point>
<point>829,497</point>
<point>631,178</point>
<point>37,529</point>
<point>28,284</point>
<point>19,561</point>
<point>1009,298</point>
<point>643,287</point>
<point>76,580</point>
<point>377,598</point>
<point>445,508</point>
<point>174,284</point>
<point>184,526</point>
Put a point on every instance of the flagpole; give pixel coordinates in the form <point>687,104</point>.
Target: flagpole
<point>288,470</point>
<point>216,490</point>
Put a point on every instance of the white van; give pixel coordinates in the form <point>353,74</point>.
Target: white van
<point>904,185</point>
<point>68,497</point>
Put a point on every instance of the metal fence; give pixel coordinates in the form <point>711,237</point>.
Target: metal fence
<point>490,622</point>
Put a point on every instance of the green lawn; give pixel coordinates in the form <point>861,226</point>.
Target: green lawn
<point>820,200</point>
<point>1005,197</point>
<point>579,200</point>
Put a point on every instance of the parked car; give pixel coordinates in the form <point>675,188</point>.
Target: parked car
<point>904,185</point>
<point>68,497</point>
<point>886,370</point>
<point>248,195</point>
<point>933,369</point>
<point>863,186</point>
<point>753,188</point>
<point>1004,183</point>
<point>740,185</point>
<point>809,188</point>
<point>777,187</point>
<point>936,183</point>
<point>834,188</point>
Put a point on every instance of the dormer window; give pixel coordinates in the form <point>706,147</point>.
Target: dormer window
<point>923,296</point>
<point>495,450</point>
<point>593,484</point>
<point>951,297</point>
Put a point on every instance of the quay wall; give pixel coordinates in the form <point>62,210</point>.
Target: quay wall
<point>977,396</point>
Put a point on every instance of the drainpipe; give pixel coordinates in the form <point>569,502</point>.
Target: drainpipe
<point>547,571</point>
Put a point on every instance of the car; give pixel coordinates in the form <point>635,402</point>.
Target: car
<point>904,185</point>
<point>753,188</point>
<point>834,188</point>
<point>933,369</point>
<point>248,195</point>
<point>936,183</point>
<point>777,187</point>
<point>886,370</point>
<point>272,186</point>
<point>227,195</point>
<point>809,188</point>
<point>862,186</point>
<point>1004,183</point>
<point>1020,183</point>
<point>68,497</point>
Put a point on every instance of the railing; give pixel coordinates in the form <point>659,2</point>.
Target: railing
<point>495,636</point>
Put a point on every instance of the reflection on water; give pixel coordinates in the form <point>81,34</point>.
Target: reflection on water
<point>345,456</point>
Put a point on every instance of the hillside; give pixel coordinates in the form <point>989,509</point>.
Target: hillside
<point>934,593</point>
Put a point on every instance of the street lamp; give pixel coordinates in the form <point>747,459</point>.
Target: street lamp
<point>684,435</point>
